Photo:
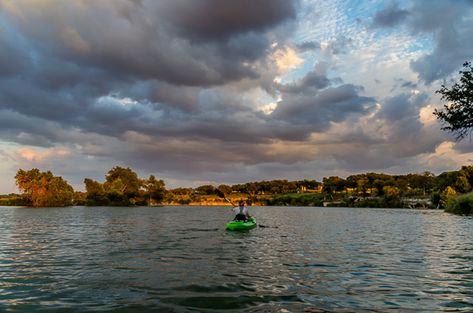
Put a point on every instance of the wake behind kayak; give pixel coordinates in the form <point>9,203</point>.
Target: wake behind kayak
<point>242,225</point>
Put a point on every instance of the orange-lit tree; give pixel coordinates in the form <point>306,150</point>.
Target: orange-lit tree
<point>43,189</point>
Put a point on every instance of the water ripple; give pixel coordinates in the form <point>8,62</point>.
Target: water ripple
<point>308,260</point>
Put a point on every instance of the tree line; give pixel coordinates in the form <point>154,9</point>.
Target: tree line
<point>362,190</point>
<point>123,187</point>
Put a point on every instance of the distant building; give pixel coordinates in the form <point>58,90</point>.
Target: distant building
<point>304,189</point>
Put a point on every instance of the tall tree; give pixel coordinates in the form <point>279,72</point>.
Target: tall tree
<point>93,187</point>
<point>95,193</point>
<point>43,189</point>
<point>154,189</point>
<point>225,189</point>
<point>457,115</point>
<point>122,181</point>
<point>333,184</point>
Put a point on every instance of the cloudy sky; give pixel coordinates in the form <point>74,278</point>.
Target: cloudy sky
<point>217,91</point>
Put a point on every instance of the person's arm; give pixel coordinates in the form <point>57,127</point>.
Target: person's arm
<point>247,213</point>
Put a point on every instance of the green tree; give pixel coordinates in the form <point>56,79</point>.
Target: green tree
<point>362,186</point>
<point>446,196</point>
<point>225,189</point>
<point>95,193</point>
<point>467,171</point>
<point>122,182</point>
<point>457,115</point>
<point>43,189</point>
<point>93,187</point>
<point>154,190</point>
<point>462,185</point>
<point>333,184</point>
<point>462,204</point>
<point>205,190</point>
<point>446,179</point>
<point>391,191</point>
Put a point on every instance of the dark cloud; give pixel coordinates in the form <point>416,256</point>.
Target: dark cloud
<point>78,66</point>
<point>401,116</point>
<point>464,146</point>
<point>453,46</point>
<point>401,83</point>
<point>410,85</point>
<point>12,54</point>
<point>312,81</point>
<point>398,107</point>
<point>313,101</point>
<point>339,45</point>
<point>181,42</point>
<point>390,16</point>
<point>391,137</point>
<point>221,20</point>
<point>450,24</point>
<point>185,98</point>
<point>308,46</point>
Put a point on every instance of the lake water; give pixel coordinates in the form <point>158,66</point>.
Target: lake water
<point>181,259</point>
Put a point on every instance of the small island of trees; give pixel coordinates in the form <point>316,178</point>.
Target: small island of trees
<point>122,187</point>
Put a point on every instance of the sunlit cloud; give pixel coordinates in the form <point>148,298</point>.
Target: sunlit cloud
<point>446,157</point>
<point>268,108</point>
<point>426,115</point>
<point>38,156</point>
<point>286,59</point>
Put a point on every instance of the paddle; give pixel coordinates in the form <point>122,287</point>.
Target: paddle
<point>219,193</point>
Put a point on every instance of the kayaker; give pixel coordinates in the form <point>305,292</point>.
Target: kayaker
<point>241,211</point>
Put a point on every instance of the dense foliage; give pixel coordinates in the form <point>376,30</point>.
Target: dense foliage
<point>457,115</point>
<point>123,187</point>
<point>43,189</point>
<point>462,204</point>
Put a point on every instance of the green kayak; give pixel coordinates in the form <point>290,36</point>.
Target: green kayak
<point>242,225</point>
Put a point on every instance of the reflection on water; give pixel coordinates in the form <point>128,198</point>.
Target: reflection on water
<point>180,259</point>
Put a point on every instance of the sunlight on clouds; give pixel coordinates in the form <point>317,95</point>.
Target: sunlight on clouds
<point>115,100</point>
<point>261,100</point>
<point>426,115</point>
<point>445,147</point>
<point>324,45</point>
<point>445,156</point>
<point>37,155</point>
<point>268,108</point>
<point>286,59</point>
